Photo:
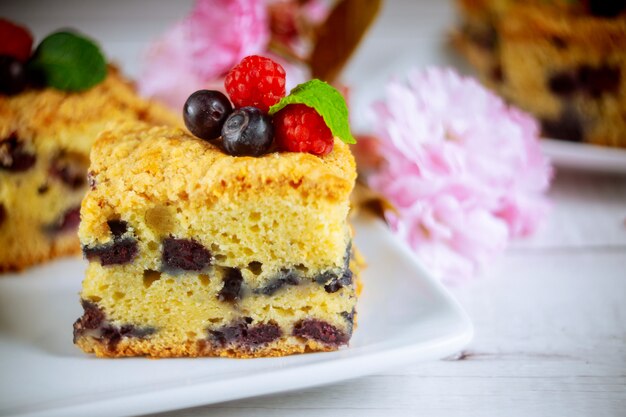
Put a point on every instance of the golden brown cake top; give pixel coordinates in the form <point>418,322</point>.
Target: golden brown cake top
<point>525,21</point>
<point>164,163</point>
<point>45,115</point>
<point>562,20</point>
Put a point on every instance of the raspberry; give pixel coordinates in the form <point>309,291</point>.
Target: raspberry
<point>256,81</point>
<point>299,128</point>
<point>16,40</point>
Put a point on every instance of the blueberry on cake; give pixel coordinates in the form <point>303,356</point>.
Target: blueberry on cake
<point>45,137</point>
<point>224,243</point>
<point>562,60</point>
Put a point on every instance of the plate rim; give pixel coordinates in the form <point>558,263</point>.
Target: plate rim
<point>584,156</point>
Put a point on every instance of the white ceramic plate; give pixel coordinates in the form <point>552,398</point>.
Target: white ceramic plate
<point>404,316</point>
<point>582,156</point>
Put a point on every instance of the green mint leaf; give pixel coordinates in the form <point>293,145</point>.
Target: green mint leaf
<point>327,101</point>
<point>69,62</point>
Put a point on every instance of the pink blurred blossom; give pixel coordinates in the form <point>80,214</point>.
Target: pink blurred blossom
<point>198,51</point>
<point>464,170</point>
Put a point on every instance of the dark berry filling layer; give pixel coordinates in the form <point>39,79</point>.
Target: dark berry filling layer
<point>563,83</point>
<point>118,228</point>
<point>593,81</point>
<point>599,80</point>
<point>333,283</point>
<point>67,222</point>
<point>13,157</point>
<point>111,335</point>
<point>231,291</point>
<point>321,331</point>
<point>92,319</point>
<point>286,277</point>
<point>70,169</point>
<point>349,316</point>
<point>94,323</point>
<point>244,335</point>
<point>121,250</point>
<point>184,254</point>
<point>118,252</point>
<point>567,127</point>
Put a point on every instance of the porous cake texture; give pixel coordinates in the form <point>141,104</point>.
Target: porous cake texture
<point>197,253</point>
<point>563,61</point>
<point>45,138</point>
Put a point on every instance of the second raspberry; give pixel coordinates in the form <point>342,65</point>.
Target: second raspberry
<point>299,128</point>
<point>257,81</point>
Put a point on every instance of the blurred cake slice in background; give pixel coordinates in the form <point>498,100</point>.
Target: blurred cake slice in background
<point>563,61</point>
<point>52,107</point>
<point>45,139</point>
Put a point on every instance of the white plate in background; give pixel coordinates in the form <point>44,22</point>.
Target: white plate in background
<point>405,316</point>
<point>583,156</point>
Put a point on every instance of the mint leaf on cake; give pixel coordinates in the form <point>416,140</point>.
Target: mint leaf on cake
<point>69,62</point>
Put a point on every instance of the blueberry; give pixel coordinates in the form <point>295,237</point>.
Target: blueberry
<point>94,318</point>
<point>285,277</point>
<point>243,335</point>
<point>117,227</point>
<point>599,80</point>
<point>68,221</point>
<point>563,83</point>
<point>185,254</point>
<point>338,282</point>
<point>231,291</point>
<point>13,157</point>
<point>321,331</point>
<point>247,131</point>
<point>262,334</point>
<point>13,79</point>
<point>118,252</point>
<point>70,170</point>
<point>205,112</point>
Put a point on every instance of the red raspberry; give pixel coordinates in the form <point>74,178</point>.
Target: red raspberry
<point>256,81</point>
<point>16,40</point>
<point>299,128</point>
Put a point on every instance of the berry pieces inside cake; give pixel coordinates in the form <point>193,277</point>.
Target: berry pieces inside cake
<point>222,244</point>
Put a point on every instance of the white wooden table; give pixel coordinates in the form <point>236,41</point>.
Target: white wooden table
<point>550,316</point>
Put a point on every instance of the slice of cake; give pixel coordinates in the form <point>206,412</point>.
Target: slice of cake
<point>231,243</point>
<point>53,103</point>
<point>193,252</point>
<point>564,61</point>
<point>45,138</point>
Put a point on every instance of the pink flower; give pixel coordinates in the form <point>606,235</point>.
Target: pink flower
<point>223,32</point>
<point>463,169</point>
<point>198,51</point>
